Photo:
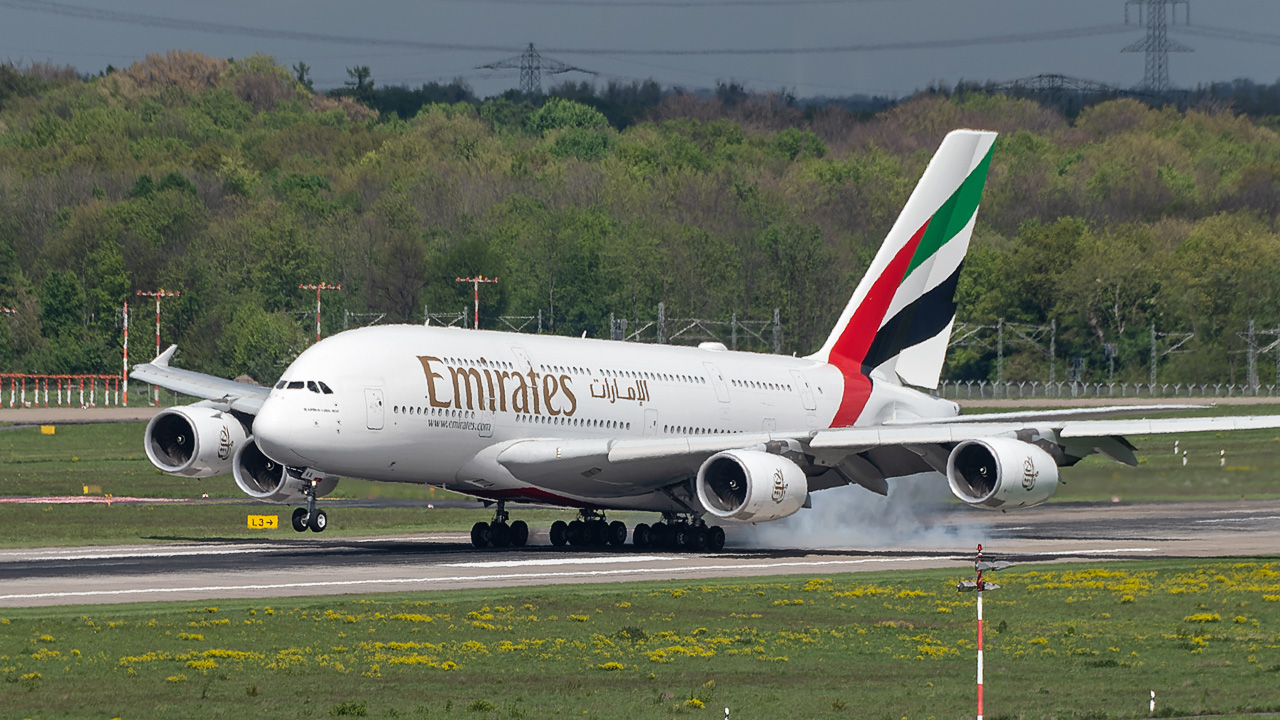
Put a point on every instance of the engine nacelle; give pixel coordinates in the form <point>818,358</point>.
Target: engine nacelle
<point>751,486</point>
<point>262,478</point>
<point>1001,473</point>
<point>193,441</point>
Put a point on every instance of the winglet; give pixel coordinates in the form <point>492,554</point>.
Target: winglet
<point>163,358</point>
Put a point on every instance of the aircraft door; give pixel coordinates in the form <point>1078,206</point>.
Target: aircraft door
<point>806,390</point>
<point>717,380</point>
<point>374,409</point>
<point>650,422</point>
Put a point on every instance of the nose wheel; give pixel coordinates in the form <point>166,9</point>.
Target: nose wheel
<point>310,518</point>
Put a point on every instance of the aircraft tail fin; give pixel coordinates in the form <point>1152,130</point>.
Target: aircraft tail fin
<point>898,322</point>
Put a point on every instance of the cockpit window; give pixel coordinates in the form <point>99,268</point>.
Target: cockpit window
<point>325,388</point>
<point>280,385</point>
<point>311,385</point>
<point>296,385</point>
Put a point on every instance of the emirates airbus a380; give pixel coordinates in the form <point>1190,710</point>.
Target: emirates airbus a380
<point>694,434</point>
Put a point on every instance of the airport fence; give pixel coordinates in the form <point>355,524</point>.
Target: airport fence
<point>966,389</point>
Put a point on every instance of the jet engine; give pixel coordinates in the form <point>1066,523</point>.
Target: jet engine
<point>193,441</point>
<point>1001,473</point>
<point>751,486</point>
<point>262,478</point>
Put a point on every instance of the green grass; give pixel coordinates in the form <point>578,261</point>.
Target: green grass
<point>110,456</point>
<point>1062,641</point>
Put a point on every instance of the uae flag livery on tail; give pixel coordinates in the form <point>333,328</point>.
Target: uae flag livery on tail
<point>896,326</point>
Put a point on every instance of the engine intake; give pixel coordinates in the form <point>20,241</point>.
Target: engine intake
<point>262,478</point>
<point>193,441</point>
<point>751,486</point>
<point>1000,473</point>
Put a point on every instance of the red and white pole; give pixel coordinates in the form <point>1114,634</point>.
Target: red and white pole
<point>475,284</point>
<point>124,373</point>
<point>979,646</point>
<point>156,402</point>
<point>318,287</point>
<point>161,293</point>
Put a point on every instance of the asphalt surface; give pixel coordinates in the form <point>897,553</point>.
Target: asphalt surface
<point>311,564</point>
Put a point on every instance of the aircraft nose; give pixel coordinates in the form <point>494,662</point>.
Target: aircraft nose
<point>273,433</point>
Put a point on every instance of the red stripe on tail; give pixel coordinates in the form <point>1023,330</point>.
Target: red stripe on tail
<point>851,348</point>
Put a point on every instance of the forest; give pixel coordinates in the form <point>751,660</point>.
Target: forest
<point>233,182</point>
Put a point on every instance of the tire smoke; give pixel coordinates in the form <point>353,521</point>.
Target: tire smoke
<point>919,512</point>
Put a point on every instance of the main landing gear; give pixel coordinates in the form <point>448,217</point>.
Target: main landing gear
<point>309,517</point>
<point>677,532</point>
<point>592,529</point>
<point>498,533</point>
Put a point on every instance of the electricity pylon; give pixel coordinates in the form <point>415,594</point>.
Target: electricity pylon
<point>1158,14</point>
<point>532,65</point>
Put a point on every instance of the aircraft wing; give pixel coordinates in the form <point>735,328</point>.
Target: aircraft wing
<point>238,396</point>
<point>868,456</point>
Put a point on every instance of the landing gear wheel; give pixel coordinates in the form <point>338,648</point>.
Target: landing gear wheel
<point>698,539</point>
<point>300,519</point>
<point>600,533</point>
<point>658,535</point>
<point>318,521</point>
<point>617,533</point>
<point>679,535</point>
<point>559,533</point>
<point>519,533</point>
<point>715,538</point>
<point>499,534</point>
<point>480,535</point>
<point>640,536</point>
<point>577,533</point>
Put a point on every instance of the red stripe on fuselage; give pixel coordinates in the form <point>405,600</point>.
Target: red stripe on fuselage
<point>851,348</point>
<point>530,494</point>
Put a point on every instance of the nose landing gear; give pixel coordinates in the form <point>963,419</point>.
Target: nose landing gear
<point>309,518</point>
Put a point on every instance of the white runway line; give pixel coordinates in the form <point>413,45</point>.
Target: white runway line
<point>462,578</point>
<point>561,561</point>
<point>1096,551</point>
<point>1241,519</point>
<point>90,555</point>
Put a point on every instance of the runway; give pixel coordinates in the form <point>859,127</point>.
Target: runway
<point>316,565</point>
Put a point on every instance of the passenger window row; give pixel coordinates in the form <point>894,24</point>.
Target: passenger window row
<point>575,422</point>
<point>686,430</point>
<point>481,363</point>
<point>757,385</point>
<point>663,377</point>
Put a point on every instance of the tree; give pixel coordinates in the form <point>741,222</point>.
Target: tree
<point>302,72</point>
<point>360,84</point>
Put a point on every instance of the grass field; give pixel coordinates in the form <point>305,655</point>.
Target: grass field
<point>1063,641</point>
<point>110,457</point>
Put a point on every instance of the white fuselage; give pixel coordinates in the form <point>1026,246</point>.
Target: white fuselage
<point>435,405</point>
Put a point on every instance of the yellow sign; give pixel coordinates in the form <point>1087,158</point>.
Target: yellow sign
<point>47,429</point>
<point>263,522</point>
<point>92,489</point>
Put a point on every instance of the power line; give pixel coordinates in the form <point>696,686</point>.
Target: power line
<point>159,21</point>
<point>1209,31</point>
<point>631,4</point>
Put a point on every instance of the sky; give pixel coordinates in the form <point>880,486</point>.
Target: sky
<point>810,47</point>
